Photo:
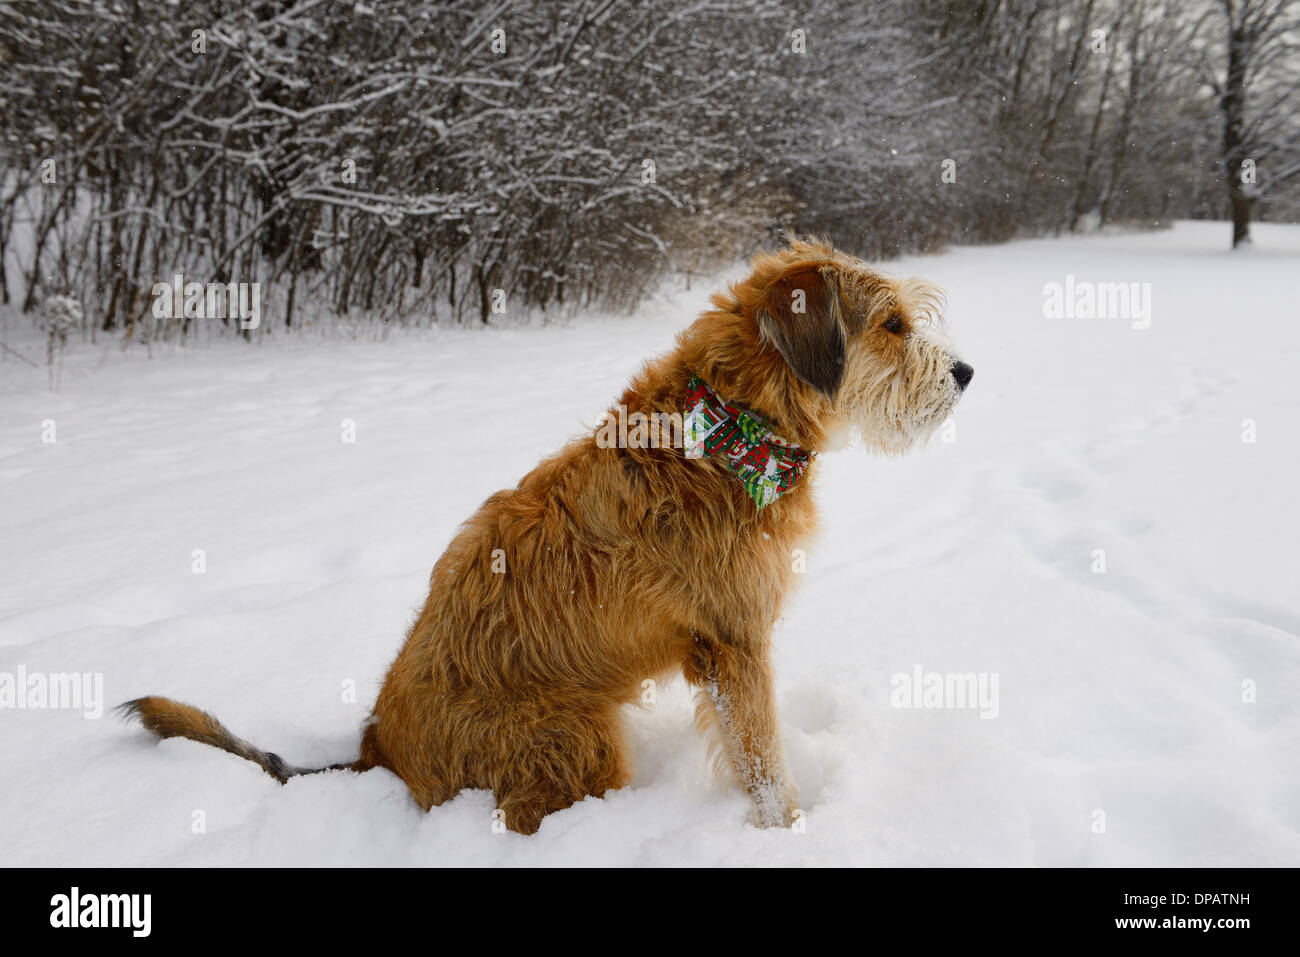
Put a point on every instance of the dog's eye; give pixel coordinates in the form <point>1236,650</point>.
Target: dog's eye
<point>893,324</point>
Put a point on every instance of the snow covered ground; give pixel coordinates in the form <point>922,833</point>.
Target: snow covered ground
<point>1128,730</point>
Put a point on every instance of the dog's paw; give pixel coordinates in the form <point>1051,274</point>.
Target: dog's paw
<point>773,807</point>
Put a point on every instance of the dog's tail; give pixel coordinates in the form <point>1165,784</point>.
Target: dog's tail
<point>171,719</point>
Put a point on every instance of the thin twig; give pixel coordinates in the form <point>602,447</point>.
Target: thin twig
<point>34,365</point>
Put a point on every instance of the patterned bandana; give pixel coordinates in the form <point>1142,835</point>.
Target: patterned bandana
<point>766,464</point>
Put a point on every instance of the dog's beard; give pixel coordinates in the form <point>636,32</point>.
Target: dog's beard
<point>897,407</point>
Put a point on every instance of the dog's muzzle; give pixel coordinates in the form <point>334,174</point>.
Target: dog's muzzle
<point>962,373</point>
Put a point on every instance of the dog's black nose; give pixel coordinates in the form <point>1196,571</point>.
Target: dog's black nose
<point>963,373</point>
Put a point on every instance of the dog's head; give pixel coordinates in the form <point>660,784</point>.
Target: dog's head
<point>861,349</point>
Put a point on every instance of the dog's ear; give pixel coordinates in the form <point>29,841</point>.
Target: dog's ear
<point>799,314</point>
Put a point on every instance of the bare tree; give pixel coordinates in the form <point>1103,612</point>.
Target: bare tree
<point>431,160</point>
<point>1258,97</point>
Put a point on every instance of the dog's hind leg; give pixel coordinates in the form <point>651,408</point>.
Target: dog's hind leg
<point>576,757</point>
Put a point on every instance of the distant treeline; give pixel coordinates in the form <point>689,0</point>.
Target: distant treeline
<point>441,160</point>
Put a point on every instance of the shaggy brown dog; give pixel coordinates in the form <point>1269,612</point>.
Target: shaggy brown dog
<point>611,565</point>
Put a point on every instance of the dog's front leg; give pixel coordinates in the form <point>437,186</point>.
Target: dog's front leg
<point>738,698</point>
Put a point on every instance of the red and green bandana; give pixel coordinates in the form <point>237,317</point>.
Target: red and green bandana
<point>766,464</point>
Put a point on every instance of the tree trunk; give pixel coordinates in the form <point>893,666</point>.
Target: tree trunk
<point>1235,149</point>
<point>1242,207</point>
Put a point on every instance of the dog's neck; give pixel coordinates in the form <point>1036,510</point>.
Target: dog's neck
<point>766,464</point>
<point>723,349</point>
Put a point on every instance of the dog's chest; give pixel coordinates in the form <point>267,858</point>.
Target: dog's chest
<point>763,561</point>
